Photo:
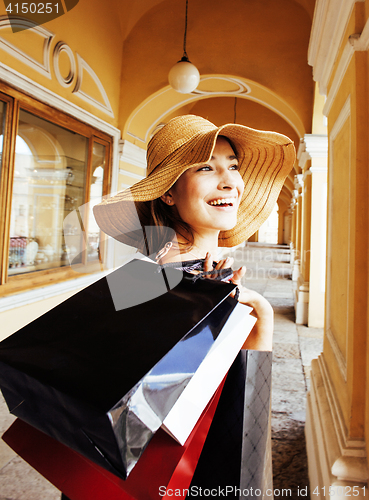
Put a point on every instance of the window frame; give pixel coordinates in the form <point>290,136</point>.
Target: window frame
<point>15,101</point>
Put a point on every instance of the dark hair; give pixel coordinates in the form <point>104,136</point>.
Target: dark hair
<point>167,219</point>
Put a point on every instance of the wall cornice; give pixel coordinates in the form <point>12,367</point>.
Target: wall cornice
<point>316,145</point>
<point>329,26</point>
<point>312,146</point>
<point>132,154</point>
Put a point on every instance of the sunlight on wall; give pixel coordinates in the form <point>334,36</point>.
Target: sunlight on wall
<point>268,232</point>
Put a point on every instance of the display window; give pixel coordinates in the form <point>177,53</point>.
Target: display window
<point>51,164</point>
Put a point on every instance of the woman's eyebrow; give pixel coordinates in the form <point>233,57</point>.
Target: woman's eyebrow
<point>231,157</point>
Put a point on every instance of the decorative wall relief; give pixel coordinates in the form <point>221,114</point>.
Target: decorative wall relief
<point>43,44</point>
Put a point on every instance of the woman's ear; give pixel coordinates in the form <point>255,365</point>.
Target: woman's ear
<point>167,198</point>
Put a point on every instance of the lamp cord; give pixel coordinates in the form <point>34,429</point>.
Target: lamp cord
<point>185,33</point>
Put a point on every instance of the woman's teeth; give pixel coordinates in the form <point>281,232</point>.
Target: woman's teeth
<point>223,201</point>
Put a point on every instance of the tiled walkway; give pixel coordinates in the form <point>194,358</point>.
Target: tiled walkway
<point>268,272</point>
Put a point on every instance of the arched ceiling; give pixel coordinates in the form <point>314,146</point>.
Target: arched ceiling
<point>164,104</point>
<point>130,13</point>
<point>262,44</point>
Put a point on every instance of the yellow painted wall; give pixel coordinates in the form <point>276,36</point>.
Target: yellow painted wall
<point>124,177</point>
<point>94,33</point>
<point>348,246</point>
<point>220,110</point>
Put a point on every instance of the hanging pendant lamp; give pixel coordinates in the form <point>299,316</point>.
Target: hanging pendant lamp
<point>184,77</point>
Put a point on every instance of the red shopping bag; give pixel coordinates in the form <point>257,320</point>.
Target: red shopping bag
<point>165,469</point>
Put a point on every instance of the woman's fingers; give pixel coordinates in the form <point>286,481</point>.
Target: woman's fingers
<point>208,264</point>
<point>238,275</point>
<point>224,263</point>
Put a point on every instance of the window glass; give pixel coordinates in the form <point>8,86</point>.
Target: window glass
<point>96,192</point>
<point>49,182</point>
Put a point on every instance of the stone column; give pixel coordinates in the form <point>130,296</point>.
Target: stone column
<point>310,286</point>
<point>317,147</point>
<point>297,194</point>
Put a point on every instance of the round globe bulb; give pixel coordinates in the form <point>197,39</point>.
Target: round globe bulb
<point>184,77</point>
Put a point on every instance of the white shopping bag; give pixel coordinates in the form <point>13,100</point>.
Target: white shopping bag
<point>193,400</point>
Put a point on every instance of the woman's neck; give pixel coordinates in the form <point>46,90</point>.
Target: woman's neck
<point>181,251</point>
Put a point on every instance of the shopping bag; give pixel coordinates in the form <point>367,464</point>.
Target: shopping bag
<point>186,410</point>
<point>240,431</point>
<point>165,466</point>
<point>76,372</point>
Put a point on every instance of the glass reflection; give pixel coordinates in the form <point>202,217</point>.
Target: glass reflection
<point>96,192</point>
<point>49,182</point>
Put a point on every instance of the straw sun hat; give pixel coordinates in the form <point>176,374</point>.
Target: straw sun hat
<point>265,160</point>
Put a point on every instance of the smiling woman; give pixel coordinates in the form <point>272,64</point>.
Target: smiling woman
<point>206,187</point>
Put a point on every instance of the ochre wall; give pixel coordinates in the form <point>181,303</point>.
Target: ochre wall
<point>220,110</point>
<point>89,30</point>
<point>347,279</point>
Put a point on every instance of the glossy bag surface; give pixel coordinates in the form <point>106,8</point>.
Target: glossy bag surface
<point>165,466</point>
<point>78,370</point>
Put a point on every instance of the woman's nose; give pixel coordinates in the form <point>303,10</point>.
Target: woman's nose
<point>227,180</point>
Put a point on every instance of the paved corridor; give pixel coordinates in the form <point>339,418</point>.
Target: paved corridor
<point>268,272</point>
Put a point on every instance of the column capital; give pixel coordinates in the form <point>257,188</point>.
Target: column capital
<point>299,181</point>
<point>316,145</point>
<point>312,146</point>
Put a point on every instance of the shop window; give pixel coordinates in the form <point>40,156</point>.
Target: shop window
<point>52,164</point>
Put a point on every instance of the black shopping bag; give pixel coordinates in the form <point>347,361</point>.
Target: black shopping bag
<point>68,372</point>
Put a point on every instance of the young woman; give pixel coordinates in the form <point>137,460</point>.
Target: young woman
<point>210,187</point>
<point>214,186</point>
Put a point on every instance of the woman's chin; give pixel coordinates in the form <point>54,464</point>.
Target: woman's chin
<point>227,226</point>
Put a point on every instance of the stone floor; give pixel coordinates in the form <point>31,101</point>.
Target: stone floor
<point>268,272</point>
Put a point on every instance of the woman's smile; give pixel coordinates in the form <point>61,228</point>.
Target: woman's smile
<point>223,202</point>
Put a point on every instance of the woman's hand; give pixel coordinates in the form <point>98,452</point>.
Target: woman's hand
<point>222,264</point>
<point>261,336</point>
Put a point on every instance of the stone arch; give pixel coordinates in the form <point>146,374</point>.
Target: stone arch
<point>163,104</point>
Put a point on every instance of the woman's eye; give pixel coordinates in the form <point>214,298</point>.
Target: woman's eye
<point>204,168</point>
<point>234,167</point>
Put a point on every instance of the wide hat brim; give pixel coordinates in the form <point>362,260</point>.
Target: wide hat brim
<point>265,159</point>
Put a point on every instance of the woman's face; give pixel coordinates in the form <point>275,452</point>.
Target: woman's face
<point>207,196</point>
